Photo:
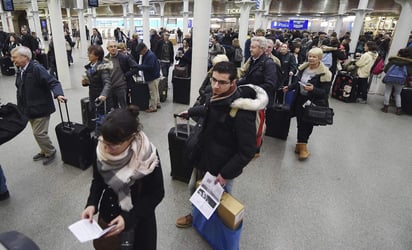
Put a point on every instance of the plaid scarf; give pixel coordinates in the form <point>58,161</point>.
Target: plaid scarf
<point>121,171</point>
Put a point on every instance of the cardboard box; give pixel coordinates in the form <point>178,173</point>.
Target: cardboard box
<point>230,211</point>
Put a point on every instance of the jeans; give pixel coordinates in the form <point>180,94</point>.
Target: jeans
<point>396,93</point>
<point>164,67</point>
<point>3,187</point>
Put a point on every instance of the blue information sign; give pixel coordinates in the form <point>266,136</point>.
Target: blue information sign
<point>290,25</point>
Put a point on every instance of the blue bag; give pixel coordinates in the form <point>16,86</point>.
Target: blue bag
<point>215,232</point>
<point>396,75</point>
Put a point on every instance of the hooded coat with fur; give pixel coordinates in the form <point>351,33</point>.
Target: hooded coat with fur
<point>99,78</point>
<point>229,142</point>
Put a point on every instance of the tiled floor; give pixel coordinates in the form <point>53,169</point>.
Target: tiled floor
<point>354,192</point>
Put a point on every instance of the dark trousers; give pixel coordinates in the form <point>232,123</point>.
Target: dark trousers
<point>119,97</point>
<point>362,88</point>
<point>304,129</point>
<point>164,67</point>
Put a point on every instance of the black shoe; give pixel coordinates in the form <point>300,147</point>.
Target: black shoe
<point>4,196</point>
<point>39,157</point>
<point>48,159</point>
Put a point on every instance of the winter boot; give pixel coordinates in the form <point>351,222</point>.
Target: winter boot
<point>384,109</point>
<point>398,111</point>
<point>303,151</point>
<point>297,148</point>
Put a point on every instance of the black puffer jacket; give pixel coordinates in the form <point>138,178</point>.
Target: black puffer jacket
<point>230,143</point>
<point>99,79</point>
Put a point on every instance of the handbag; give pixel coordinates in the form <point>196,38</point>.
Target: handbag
<point>318,115</point>
<point>194,143</point>
<point>12,122</point>
<point>181,71</point>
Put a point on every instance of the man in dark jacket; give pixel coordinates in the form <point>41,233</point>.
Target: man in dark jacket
<point>151,72</point>
<point>28,40</point>
<point>165,54</point>
<point>34,99</point>
<point>124,67</point>
<point>229,140</point>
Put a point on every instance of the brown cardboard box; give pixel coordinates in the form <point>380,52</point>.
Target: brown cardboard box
<point>230,211</point>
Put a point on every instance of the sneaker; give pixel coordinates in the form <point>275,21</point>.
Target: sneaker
<point>4,196</point>
<point>48,159</point>
<point>39,157</point>
<point>185,221</point>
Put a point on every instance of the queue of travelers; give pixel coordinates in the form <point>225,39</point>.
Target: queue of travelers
<point>127,182</point>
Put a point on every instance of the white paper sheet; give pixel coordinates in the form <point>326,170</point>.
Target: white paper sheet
<point>207,196</point>
<point>86,231</point>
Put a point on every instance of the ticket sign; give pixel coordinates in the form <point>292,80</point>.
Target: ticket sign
<point>298,24</point>
<point>279,25</point>
<point>291,24</point>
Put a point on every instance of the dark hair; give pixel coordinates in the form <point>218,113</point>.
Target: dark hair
<point>372,46</point>
<point>226,68</point>
<point>120,124</point>
<point>140,47</point>
<point>405,52</point>
<point>189,41</point>
<point>96,50</point>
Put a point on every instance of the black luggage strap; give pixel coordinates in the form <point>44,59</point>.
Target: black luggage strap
<point>68,123</point>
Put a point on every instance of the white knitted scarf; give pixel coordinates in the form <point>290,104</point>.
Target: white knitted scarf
<point>121,171</point>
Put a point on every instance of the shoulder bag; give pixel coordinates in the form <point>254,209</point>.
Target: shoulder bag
<point>318,115</point>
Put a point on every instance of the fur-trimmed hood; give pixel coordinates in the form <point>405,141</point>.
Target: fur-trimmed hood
<point>105,64</point>
<point>322,70</point>
<point>248,102</point>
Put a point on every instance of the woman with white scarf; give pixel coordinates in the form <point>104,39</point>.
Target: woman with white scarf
<point>127,182</point>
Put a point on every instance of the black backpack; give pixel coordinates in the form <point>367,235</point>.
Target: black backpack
<point>12,122</point>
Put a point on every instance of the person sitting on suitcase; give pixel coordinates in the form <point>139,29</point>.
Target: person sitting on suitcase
<point>127,182</point>
<point>124,67</point>
<point>313,82</point>
<point>151,72</point>
<point>34,99</point>
<point>97,78</point>
<point>229,140</point>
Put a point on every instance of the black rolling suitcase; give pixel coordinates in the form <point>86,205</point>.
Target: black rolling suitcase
<point>75,143</point>
<point>344,87</point>
<point>88,115</point>
<point>177,136</point>
<point>406,100</point>
<point>7,67</point>
<point>139,95</point>
<point>163,89</point>
<point>181,90</point>
<point>278,120</point>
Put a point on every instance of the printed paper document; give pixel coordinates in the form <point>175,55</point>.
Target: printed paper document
<point>85,231</point>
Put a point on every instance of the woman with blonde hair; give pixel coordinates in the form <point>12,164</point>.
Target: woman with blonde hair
<point>312,83</point>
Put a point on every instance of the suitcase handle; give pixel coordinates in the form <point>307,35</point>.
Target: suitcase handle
<point>188,123</point>
<point>69,124</point>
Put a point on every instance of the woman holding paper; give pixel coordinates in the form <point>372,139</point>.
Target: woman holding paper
<point>312,83</point>
<point>127,182</point>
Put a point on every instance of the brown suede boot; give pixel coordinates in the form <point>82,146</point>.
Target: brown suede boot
<point>303,151</point>
<point>384,109</point>
<point>398,111</point>
<point>297,148</point>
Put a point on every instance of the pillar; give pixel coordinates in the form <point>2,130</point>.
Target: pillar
<point>82,28</point>
<point>162,14</point>
<point>266,15</point>
<point>4,20</point>
<point>59,43</point>
<point>245,7</point>
<point>131,17</point>
<point>29,12</point>
<point>402,29</point>
<point>46,12</point>
<point>185,16</point>
<point>125,26</point>
<point>258,19</point>
<point>341,14</point>
<point>94,16</point>
<point>202,12</point>
<point>69,20</point>
<point>360,12</point>
<point>90,24</point>
<point>146,23</point>
<point>10,21</point>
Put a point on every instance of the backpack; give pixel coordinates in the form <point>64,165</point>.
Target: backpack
<point>378,66</point>
<point>12,122</point>
<point>327,59</point>
<point>238,55</point>
<point>396,74</point>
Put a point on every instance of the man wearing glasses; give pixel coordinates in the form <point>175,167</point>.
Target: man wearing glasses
<point>229,131</point>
